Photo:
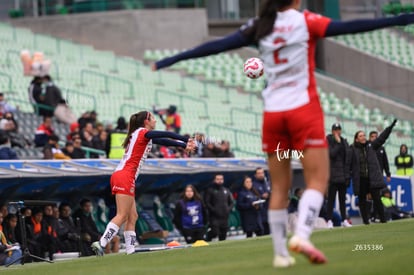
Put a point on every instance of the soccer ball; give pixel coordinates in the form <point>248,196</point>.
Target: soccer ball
<point>253,68</point>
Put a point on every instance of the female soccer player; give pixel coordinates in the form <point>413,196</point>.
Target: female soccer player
<point>292,117</point>
<point>137,145</point>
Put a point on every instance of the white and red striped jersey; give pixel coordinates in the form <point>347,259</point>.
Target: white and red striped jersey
<point>288,56</point>
<point>135,154</point>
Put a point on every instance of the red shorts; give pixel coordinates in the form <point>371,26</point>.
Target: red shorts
<point>121,183</point>
<point>295,129</point>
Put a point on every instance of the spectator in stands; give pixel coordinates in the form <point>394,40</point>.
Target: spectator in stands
<point>52,151</point>
<point>392,211</point>
<point>5,107</point>
<point>249,205</point>
<point>172,120</point>
<point>6,152</point>
<point>68,232</point>
<point>262,185</point>
<point>116,138</point>
<point>210,150</point>
<point>51,224</point>
<point>190,215</point>
<point>78,152</point>
<point>339,177</point>
<point>225,150</point>
<point>43,132</point>
<point>404,162</point>
<point>99,143</point>
<point>382,157</point>
<point>367,178</point>
<point>35,96</point>
<point>199,139</point>
<point>219,202</point>
<point>89,231</point>
<point>73,129</point>
<point>10,125</point>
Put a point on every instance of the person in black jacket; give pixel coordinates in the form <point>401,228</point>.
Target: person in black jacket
<point>190,215</point>
<point>382,156</point>
<point>366,175</point>
<point>219,202</point>
<point>89,231</point>
<point>340,162</point>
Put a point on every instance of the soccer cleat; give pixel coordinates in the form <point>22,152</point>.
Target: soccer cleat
<point>346,223</point>
<point>97,248</point>
<point>306,248</point>
<point>330,224</point>
<point>283,261</point>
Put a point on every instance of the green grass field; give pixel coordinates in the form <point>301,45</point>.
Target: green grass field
<point>254,256</point>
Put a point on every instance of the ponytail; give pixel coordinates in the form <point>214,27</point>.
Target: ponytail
<point>136,121</point>
<point>267,16</point>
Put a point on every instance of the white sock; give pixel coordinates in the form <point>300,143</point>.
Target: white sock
<point>308,210</point>
<point>110,231</point>
<point>278,220</point>
<point>130,239</point>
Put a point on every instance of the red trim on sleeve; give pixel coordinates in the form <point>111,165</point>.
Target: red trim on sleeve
<point>317,24</point>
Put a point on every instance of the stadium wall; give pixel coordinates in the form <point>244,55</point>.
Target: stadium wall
<point>127,33</point>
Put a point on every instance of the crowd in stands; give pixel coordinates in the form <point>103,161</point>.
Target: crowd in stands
<point>87,132</point>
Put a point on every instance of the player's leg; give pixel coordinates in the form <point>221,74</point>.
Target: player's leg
<point>280,176</point>
<point>123,207</point>
<point>129,232</point>
<point>315,164</point>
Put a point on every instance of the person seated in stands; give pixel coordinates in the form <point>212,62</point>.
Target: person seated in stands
<point>89,231</point>
<point>43,132</point>
<point>68,232</point>
<point>52,151</point>
<point>78,152</point>
<point>210,150</point>
<point>35,96</point>
<point>6,152</point>
<point>225,150</point>
<point>99,143</point>
<point>73,130</point>
<point>5,107</point>
<point>10,125</point>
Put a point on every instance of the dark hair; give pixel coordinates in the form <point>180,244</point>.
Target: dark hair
<point>84,201</point>
<point>267,16</point>
<point>62,205</point>
<point>373,132</point>
<point>356,134</point>
<point>121,123</point>
<point>136,121</point>
<point>197,196</point>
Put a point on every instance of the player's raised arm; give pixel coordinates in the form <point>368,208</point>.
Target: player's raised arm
<point>232,41</point>
<point>365,25</point>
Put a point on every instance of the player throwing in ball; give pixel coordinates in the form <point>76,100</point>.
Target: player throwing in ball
<point>138,143</point>
<point>293,117</point>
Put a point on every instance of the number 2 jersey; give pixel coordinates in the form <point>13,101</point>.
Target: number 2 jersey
<point>288,56</point>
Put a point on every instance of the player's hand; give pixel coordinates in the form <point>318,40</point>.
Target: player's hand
<point>153,67</point>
